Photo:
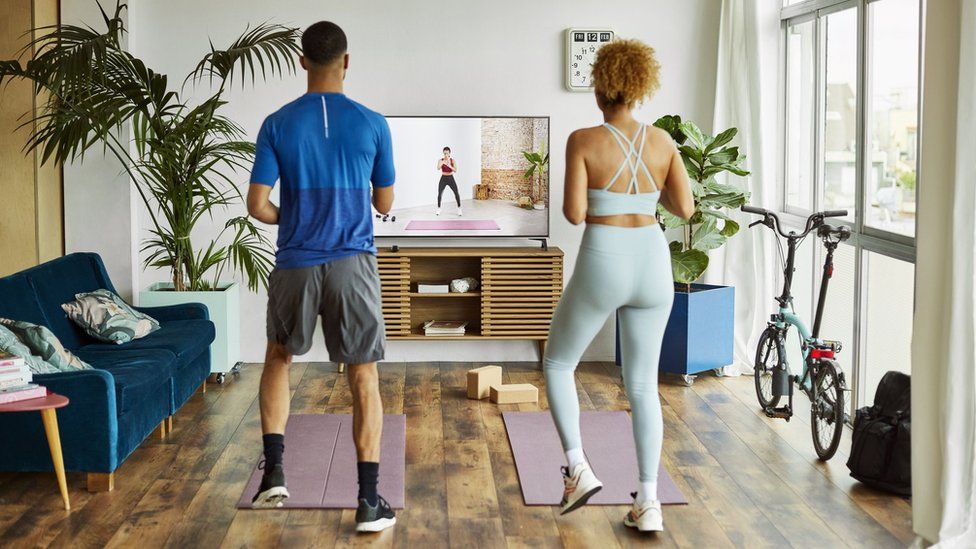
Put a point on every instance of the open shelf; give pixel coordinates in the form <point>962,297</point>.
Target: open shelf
<point>451,294</point>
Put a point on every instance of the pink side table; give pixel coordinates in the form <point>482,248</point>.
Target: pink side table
<point>47,406</point>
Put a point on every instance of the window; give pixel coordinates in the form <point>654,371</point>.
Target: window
<point>850,140</point>
<point>839,162</point>
<point>893,115</point>
<point>888,319</point>
<point>799,120</point>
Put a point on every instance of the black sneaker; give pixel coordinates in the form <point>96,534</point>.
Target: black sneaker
<point>374,518</point>
<point>272,492</point>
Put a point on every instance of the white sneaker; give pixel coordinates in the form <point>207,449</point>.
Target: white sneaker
<point>459,211</point>
<point>437,211</point>
<point>646,517</point>
<point>580,487</point>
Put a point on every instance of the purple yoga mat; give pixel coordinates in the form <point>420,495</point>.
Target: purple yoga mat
<point>609,445</point>
<point>320,463</point>
<point>452,225</point>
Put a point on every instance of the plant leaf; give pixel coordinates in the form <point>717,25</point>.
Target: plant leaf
<point>688,265</point>
<point>707,236</point>
<point>721,139</point>
<point>730,228</point>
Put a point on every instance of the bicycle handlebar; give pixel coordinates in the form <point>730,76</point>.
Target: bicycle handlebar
<point>771,220</point>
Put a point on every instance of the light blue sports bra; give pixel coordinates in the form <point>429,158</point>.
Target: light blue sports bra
<point>601,202</point>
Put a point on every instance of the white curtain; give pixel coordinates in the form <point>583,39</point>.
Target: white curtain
<point>957,420</point>
<point>746,97</point>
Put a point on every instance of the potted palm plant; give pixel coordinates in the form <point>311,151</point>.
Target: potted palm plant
<point>180,158</point>
<point>700,330</point>
<point>538,162</point>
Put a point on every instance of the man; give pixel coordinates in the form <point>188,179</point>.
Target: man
<point>325,149</point>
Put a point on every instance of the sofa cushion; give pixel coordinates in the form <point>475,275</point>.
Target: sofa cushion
<point>18,300</point>
<point>107,317</point>
<point>184,338</point>
<point>12,345</point>
<point>45,344</point>
<point>138,373</point>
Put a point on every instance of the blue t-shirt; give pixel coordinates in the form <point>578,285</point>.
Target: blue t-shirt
<point>326,149</point>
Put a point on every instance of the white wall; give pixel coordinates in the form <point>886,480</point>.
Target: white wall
<point>99,206</point>
<point>418,143</point>
<point>505,58</point>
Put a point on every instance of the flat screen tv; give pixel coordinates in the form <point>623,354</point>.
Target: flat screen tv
<point>460,176</point>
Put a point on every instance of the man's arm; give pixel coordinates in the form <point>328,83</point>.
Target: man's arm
<point>383,199</point>
<point>259,205</point>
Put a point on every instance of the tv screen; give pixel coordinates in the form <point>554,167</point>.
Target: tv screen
<point>467,176</point>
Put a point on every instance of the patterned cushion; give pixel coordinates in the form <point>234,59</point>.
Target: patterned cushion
<point>45,344</point>
<point>10,344</point>
<point>106,317</point>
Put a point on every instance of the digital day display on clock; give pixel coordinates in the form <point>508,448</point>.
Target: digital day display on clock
<point>582,45</point>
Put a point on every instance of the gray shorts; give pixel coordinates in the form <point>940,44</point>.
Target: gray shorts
<point>345,292</point>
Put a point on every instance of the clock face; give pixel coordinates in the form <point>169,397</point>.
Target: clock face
<point>581,46</point>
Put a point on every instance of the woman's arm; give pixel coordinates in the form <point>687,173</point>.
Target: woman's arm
<point>453,166</point>
<point>676,196</point>
<point>574,195</point>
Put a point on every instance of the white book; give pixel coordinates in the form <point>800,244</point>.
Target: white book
<point>21,375</point>
<point>433,288</point>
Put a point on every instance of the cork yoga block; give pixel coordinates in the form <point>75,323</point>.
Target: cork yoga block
<point>481,379</point>
<point>517,393</point>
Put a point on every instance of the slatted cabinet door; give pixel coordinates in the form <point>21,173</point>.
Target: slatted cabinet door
<point>395,286</point>
<point>519,294</point>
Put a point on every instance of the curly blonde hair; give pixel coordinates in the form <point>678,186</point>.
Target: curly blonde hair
<point>626,72</point>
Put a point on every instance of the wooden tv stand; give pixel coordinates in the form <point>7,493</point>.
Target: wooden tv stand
<point>518,291</point>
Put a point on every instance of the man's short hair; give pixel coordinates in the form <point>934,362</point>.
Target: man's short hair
<point>323,42</point>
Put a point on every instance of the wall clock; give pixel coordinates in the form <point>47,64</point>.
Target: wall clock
<point>581,47</point>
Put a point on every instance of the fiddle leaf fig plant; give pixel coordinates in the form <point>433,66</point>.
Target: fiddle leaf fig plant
<point>710,226</point>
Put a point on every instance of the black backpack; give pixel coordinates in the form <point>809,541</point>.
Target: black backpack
<point>881,454</point>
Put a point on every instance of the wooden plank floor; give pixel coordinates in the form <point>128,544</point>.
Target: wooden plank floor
<point>751,481</point>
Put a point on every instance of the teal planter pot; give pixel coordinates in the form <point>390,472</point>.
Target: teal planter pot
<point>225,312</point>
<point>700,331</point>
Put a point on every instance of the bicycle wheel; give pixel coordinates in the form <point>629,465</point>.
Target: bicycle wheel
<point>767,360</point>
<point>827,409</point>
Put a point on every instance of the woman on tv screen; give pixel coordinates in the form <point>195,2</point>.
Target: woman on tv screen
<point>447,167</point>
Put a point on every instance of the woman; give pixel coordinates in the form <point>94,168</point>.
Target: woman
<point>615,175</point>
<point>447,168</point>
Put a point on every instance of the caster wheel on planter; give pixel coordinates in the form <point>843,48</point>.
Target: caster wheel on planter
<point>688,380</point>
<point>220,378</point>
<point>237,368</point>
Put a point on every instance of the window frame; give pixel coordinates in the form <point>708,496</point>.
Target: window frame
<point>864,238</point>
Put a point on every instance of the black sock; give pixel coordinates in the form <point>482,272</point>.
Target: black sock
<point>274,447</point>
<point>369,472</point>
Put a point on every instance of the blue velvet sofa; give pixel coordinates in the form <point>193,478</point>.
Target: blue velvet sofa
<point>132,389</point>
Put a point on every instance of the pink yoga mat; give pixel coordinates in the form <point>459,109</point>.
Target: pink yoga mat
<point>320,463</point>
<point>609,445</point>
<point>452,225</point>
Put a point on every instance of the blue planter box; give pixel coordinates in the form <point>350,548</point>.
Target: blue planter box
<point>700,330</point>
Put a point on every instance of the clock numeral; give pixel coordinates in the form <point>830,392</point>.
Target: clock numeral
<point>575,65</point>
<point>592,49</point>
<point>579,57</point>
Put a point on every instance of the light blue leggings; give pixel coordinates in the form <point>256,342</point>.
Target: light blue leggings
<point>627,270</point>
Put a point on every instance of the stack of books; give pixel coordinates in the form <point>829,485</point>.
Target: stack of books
<point>444,327</point>
<point>15,380</point>
<point>433,288</point>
